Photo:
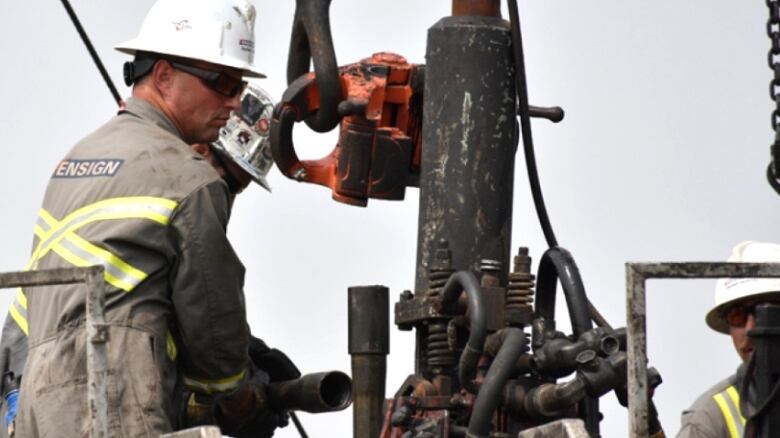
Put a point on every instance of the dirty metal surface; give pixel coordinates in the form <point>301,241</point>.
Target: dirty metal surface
<point>636,321</point>
<point>42,278</point>
<point>557,429</point>
<point>97,359</point>
<point>468,145</point>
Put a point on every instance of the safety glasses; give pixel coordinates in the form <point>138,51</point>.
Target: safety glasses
<point>737,316</point>
<point>222,83</point>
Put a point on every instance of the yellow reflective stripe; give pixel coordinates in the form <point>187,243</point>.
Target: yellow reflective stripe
<point>724,409</point>
<point>21,298</point>
<point>212,386</point>
<point>170,347</point>
<point>734,395</point>
<point>111,259</point>
<point>42,226</point>
<point>81,262</point>
<point>71,258</point>
<point>47,218</point>
<point>21,321</point>
<point>134,207</point>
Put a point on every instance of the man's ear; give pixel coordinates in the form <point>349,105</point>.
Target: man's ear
<point>162,76</point>
<point>202,149</point>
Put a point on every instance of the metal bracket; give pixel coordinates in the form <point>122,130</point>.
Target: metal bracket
<point>97,357</point>
<point>636,274</point>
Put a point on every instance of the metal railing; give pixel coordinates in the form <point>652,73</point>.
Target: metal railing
<point>97,335</point>
<point>636,275</point>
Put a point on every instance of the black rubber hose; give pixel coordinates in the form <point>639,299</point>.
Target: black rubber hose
<point>499,373</point>
<point>466,281</point>
<point>525,126</point>
<point>92,52</point>
<point>558,264</point>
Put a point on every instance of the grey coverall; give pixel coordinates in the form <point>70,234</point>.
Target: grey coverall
<point>716,413</point>
<point>133,197</point>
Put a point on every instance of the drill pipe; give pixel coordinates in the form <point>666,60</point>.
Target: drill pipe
<point>316,392</point>
<point>469,144</point>
<point>369,343</point>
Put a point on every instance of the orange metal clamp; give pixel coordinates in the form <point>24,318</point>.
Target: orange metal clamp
<point>378,151</point>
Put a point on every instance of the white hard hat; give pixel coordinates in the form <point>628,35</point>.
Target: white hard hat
<point>216,31</point>
<point>730,290</point>
<point>244,139</point>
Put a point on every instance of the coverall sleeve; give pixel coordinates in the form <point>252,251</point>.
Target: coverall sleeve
<point>700,423</point>
<point>13,347</point>
<point>207,294</point>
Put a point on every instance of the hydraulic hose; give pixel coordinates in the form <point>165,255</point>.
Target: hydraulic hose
<point>466,281</point>
<point>499,373</point>
<point>525,126</point>
<point>558,264</point>
<point>524,111</point>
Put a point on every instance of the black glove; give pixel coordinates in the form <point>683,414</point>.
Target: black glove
<point>278,366</point>
<point>244,412</point>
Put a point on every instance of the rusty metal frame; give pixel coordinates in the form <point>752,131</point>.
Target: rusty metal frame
<point>636,275</point>
<point>97,358</point>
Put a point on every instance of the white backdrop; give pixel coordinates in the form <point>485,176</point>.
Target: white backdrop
<point>661,157</point>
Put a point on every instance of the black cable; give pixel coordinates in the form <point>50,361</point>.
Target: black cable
<point>525,124</point>
<point>528,146</point>
<point>92,52</point>
<point>298,425</point>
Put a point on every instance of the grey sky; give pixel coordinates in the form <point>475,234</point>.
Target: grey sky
<point>661,157</point>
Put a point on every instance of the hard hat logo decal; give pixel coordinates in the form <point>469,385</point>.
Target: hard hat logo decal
<point>247,45</point>
<point>182,25</point>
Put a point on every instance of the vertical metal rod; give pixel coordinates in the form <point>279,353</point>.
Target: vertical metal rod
<point>369,344</point>
<point>97,357</point>
<point>637,353</point>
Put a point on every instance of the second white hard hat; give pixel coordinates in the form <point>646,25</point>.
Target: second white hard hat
<point>216,31</point>
<point>729,291</point>
<point>245,137</point>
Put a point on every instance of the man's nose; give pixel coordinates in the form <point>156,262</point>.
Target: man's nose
<point>234,102</point>
<point>751,321</point>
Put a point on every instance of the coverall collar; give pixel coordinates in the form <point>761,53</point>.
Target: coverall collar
<point>145,110</point>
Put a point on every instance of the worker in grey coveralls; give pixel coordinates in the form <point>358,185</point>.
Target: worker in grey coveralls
<point>136,198</point>
<point>717,413</point>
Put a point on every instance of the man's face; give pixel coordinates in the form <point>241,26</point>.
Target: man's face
<point>742,318</point>
<point>199,111</point>
<point>742,342</point>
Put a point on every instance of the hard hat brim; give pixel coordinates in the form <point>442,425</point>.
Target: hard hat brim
<point>717,322</point>
<point>132,46</point>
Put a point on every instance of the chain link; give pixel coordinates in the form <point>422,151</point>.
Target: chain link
<point>773,59</point>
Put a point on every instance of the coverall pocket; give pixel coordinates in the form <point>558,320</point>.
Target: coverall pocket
<point>142,370</point>
<point>68,401</point>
